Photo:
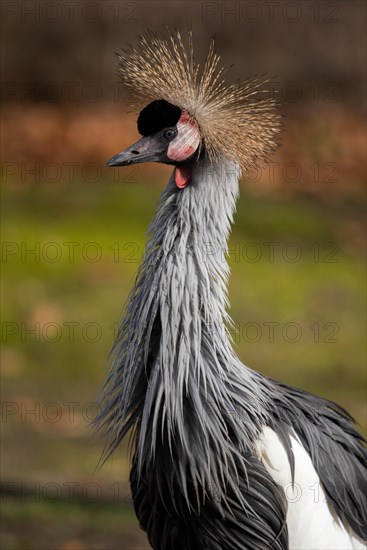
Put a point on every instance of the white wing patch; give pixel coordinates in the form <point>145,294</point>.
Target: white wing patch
<point>311,525</point>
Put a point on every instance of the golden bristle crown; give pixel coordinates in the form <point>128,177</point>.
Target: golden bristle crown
<point>235,120</point>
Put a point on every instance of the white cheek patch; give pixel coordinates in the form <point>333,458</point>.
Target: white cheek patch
<point>187,140</point>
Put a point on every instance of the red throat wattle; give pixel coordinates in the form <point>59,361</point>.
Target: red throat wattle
<point>182,176</point>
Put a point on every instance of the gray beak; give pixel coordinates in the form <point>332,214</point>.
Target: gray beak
<point>147,149</point>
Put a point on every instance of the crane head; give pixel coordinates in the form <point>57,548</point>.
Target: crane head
<point>191,109</point>
<point>170,135</point>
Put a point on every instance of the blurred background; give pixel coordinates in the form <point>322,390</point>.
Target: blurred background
<point>74,232</point>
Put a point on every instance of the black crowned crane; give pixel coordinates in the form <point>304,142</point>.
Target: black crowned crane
<point>223,457</point>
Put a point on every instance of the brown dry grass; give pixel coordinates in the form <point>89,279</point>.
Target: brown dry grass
<point>331,141</point>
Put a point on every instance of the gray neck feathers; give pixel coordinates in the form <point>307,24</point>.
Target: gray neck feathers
<point>175,378</point>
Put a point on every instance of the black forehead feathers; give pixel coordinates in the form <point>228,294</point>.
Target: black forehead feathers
<point>157,115</point>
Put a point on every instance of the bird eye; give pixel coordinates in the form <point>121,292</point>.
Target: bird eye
<point>169,134</point>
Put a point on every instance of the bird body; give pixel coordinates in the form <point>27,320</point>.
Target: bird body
<point>310,521</point>
<point>223,457</point>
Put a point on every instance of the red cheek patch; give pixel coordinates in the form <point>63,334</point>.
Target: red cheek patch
<point>187,140</point>
<point>182,176</point>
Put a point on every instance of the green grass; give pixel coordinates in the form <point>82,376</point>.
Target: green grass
<point>70,526</point>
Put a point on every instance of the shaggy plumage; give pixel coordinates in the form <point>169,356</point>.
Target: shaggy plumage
<point>196,411</point>
<point>201,477</point>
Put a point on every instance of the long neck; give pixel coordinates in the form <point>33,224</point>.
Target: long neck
<point>187,255</point>
<point>175,377</point>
